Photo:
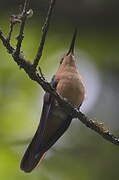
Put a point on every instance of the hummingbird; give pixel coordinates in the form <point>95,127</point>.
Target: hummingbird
<point>54,119</point>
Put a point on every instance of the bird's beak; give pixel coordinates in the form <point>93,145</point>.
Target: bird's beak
<point>72,45</point>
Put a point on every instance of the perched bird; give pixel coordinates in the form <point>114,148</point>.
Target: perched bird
<point>54,120</point>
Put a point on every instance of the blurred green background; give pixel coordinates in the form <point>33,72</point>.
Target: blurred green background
<point>80,154</point>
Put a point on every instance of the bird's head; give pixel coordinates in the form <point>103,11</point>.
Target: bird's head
<point>69,57</point>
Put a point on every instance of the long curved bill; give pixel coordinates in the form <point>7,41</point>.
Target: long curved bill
<point>72,45</point>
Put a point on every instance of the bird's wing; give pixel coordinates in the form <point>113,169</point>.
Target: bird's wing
<point>52,126</point>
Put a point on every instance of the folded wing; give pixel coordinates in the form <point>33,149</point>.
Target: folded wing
<point>54,122</point>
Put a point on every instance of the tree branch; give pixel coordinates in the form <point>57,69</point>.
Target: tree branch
<point>6,43</point>
<point>10,32</point>
<point>23,21</point>
<point>44,33</point>
<point>34,75</point>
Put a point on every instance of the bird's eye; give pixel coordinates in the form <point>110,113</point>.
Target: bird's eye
<point>61,60</point>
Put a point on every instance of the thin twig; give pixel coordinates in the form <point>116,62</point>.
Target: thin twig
<point>6,43</point>
<point>40,71</point>
<point>21,36</point>
<point>44,33</point>
<point>10,32</point>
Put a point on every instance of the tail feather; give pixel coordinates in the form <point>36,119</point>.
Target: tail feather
<point>36,152</point>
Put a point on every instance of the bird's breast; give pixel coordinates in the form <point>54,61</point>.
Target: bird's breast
<point>70,86</point>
